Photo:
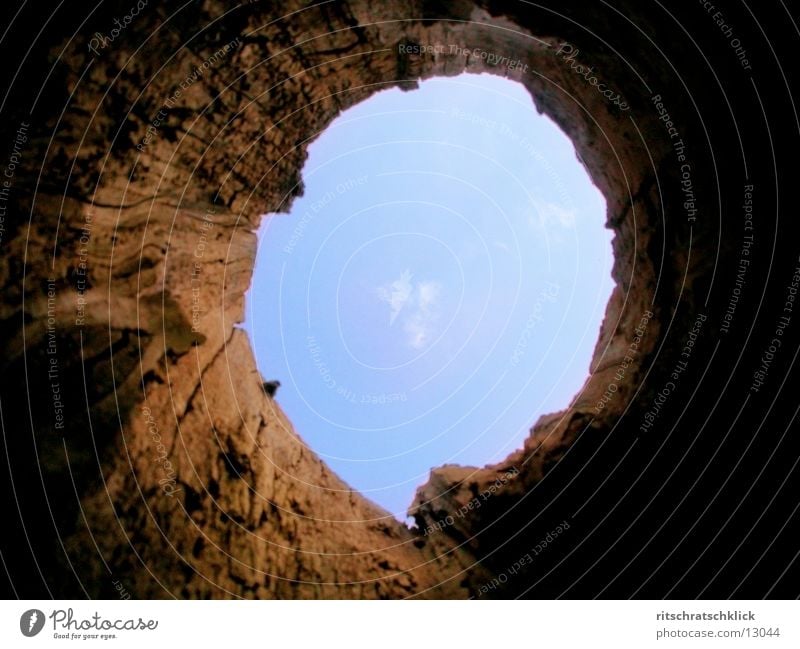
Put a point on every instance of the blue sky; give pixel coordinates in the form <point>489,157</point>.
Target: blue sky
<point>439,285</point>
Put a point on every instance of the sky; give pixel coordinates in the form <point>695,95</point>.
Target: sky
<point>439,285</point>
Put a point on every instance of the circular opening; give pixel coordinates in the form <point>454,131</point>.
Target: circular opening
<point>439,285</point>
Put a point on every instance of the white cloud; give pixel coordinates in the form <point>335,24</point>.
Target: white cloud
<point>396,294</point>
<point>419,303</point>
<point>428,294</point>
<point>548,214</point>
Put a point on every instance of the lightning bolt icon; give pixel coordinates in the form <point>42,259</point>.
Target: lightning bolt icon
<point>32,620</point>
